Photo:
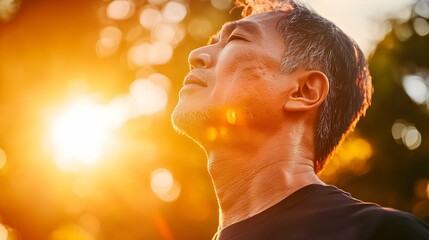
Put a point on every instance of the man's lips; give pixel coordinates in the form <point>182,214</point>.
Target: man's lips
<point>192,79</point>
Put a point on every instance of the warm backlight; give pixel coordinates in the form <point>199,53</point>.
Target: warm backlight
<point>79,134</point>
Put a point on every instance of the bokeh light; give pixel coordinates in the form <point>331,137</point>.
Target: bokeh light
<point>157,2</point>
<point>407,134</point>
<point>421,26</point>
<point>422,8</point>
<point>164,32</point>
<point>421,192</point>
<point>2,158</point>
<point>174,11</point>
<point>134,33</point>
<point>421,188</point>
<point>71,232</point>
<point>160,53</point>
<point>398,128</point>
<point>212,133</point>
<point>149,17</point>
<point>352,157</point>
<point>120,9</point>
<point>164,185</point>
<point>110,38</point>
<point>138,55</point>
<point>416,88</point>
<point>221,4</point>
<point>231,116</point>
<point>160,80</point>
<point>168,33</point>
<point>145,54</point>
<point>200,28</point>
<point>412,138</point>
<point>147,97</point>
<point>403,32</point>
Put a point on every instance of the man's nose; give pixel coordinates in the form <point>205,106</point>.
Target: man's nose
<point>199,59</point>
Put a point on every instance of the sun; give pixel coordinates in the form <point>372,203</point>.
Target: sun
<point>80,134</point>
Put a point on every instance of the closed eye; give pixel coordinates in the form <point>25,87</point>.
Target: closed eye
<point>235,37</point>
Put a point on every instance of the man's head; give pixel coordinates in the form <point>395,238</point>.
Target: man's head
<point>294,44</point>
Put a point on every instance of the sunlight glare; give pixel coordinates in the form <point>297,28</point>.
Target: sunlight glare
<point>4,235</point>
<point>119,110</point>
<point>80,134</point>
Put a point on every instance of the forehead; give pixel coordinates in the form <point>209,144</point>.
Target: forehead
<point>258,23</point>
<point>266,18</point>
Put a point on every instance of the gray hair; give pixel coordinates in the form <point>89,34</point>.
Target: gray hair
<point>315,43</point>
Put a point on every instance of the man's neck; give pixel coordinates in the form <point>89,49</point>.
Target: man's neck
<point>255,177</point>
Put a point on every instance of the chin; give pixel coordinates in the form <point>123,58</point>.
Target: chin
<point>192,123</point>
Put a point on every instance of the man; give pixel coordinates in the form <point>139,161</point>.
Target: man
<point>269,99</point>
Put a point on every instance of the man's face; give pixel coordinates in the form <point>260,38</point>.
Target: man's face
<point>237,75</point>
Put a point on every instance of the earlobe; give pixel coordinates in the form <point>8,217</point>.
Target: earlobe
<point>310,91</point>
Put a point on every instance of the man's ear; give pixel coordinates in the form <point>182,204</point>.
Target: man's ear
<point>310,90</point>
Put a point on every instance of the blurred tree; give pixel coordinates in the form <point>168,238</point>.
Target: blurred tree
<point>396,169</point>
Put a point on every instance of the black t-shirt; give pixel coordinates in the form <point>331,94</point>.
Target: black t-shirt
<point>318,212</point>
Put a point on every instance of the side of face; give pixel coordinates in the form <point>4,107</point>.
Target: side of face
<point>238,75</point>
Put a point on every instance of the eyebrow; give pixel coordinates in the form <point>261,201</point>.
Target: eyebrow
<point>228,28</point>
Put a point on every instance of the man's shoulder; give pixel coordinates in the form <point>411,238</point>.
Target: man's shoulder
<point>395,224</point>
<point>385,223</point>
<point>324,213</point>
<point>366,218</point>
